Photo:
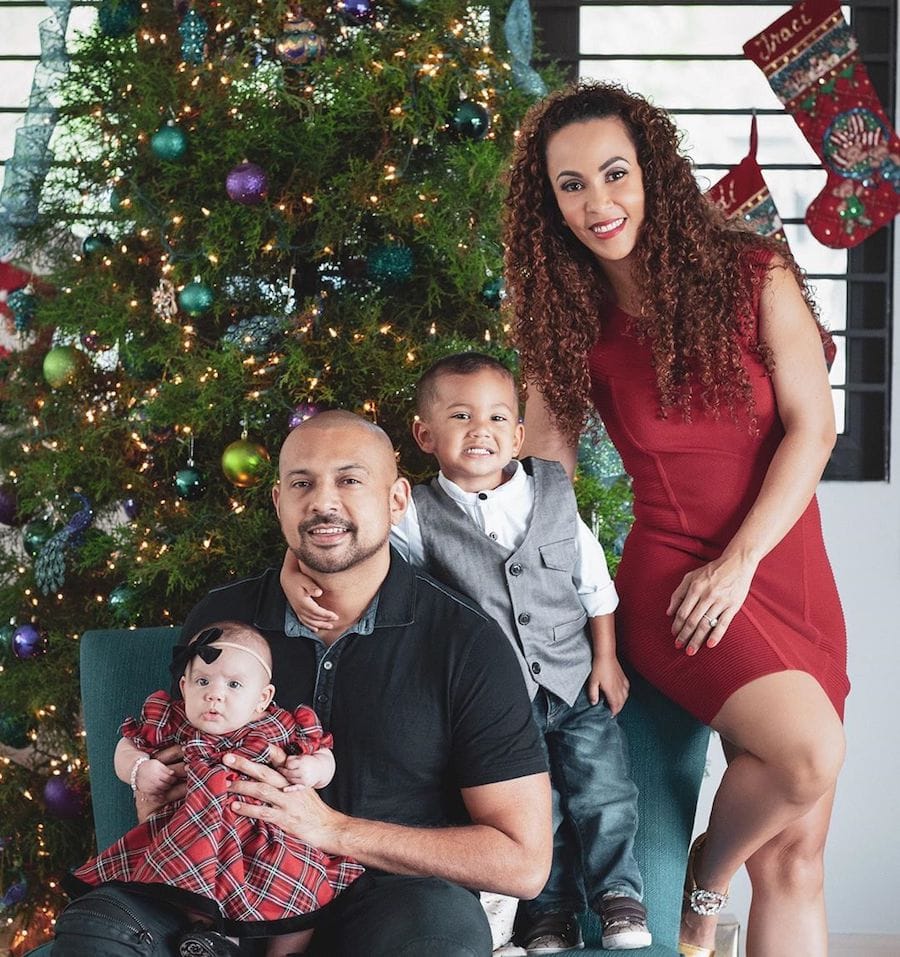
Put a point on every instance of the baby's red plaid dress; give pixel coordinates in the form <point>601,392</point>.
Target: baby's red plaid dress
<point>252,869</point>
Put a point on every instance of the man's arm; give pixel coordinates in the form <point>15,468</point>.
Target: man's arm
<point>506,848</point>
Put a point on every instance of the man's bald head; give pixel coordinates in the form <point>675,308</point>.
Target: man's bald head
<point>374,443</point>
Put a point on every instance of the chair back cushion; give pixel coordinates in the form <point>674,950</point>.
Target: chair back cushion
<point>119,668</point>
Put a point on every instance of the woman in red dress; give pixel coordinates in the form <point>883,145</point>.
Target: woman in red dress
<point>696,341</point>
<point>241,873</point>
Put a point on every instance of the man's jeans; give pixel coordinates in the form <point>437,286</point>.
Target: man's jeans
<point>594,806</point>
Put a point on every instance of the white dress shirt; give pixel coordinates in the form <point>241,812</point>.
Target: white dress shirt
<point>504,514</point>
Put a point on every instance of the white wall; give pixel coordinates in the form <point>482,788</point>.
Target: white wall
<point>862,532</point>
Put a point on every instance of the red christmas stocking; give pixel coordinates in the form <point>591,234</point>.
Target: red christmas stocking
<point>744,193</point>
<point>809,56</point>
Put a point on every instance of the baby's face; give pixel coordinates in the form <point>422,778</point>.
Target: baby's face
<point>472,428</point>
<point>227,693</point>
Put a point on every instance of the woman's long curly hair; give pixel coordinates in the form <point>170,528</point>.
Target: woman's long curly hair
<point>698,295</point>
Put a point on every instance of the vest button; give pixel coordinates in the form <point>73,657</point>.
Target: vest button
<point>482,495</point>
<point>515,569</point>
<point>524,618</point>
<point>328,665</point>
<point>322,698</point>
<point>493,535</point>
<point>535,667</point>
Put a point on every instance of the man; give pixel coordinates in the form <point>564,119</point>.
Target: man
<point>440,787</point>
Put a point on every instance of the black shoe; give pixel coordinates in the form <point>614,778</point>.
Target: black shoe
<point>552,934</point>
<point>206,943</point>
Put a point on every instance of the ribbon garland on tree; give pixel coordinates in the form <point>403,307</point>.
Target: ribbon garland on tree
<point>31,159</point>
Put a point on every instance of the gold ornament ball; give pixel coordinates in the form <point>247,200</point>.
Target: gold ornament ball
<point>245,463</point>
<point>61,365</point>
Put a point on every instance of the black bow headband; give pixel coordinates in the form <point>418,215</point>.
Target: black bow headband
<point>200,647</point>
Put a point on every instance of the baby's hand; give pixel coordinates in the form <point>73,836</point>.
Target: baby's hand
<point>607,677</point>
<point>301,591</point>
<point>153,779</point>
<point>308,770</point>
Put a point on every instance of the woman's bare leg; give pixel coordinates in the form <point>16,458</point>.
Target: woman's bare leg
<point>788,748</point>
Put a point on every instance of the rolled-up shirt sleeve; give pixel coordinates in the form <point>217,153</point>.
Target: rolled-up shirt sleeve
<point>591,575</point>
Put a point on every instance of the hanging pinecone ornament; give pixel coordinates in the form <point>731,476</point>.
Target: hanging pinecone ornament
<point>256,335</point>
<point>22,303</point>
<point>810,57</point>
<point>193,29</point>
<point>164,299</point>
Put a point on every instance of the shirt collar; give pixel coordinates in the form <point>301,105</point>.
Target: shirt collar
<point>511,488</point>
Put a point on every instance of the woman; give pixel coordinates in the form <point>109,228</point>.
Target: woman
<point>697,343</point>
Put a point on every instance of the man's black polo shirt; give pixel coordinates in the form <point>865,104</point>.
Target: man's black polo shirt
<point>430,702</point>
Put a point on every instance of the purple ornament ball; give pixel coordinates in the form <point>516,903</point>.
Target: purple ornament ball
<point>28,642</point>
<point>302,412</point>
<point>247,184</point>
<point>64,799</point>
<point>8,507</point>
<point>131,507</point>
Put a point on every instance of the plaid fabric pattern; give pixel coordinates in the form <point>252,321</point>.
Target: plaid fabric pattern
<point>252,869</point>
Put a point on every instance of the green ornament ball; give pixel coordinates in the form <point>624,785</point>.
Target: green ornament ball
<point>189,484</point>
<point>35,535</point>
<point>471,120</point>
<point>61,366</point>
<point>245,463</point>
<point>169,143</point>
<point>196,298</point>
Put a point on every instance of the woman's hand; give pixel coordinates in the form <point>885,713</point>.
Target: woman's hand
<point>707,600</point>
<point>301,591</point>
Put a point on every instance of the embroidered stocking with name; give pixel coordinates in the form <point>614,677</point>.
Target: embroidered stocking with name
<point>811,60</point>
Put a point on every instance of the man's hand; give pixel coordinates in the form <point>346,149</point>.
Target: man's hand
<point>301,591</point>
<point>299,812</point>
<point>147,803</point>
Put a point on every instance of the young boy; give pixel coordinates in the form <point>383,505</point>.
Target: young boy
<point>507,534</point>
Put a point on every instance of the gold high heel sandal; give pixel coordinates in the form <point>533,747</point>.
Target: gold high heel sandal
<point>703,902</point>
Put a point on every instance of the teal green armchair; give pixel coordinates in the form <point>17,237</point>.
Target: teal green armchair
<point>668,751</point>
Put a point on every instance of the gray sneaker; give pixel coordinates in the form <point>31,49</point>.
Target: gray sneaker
<point>552,934</point>
<point>624,922</point>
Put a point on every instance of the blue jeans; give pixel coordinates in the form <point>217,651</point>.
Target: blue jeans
<point>594,806</point>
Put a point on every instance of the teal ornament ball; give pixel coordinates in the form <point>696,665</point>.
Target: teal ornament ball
<point>299,44</point>
<point>6,637</point>
<point>23,305</point>
<point>35,535</point>
<point>245,463</point>
<point>493,292</point>
<point>471,120</point>
<point>61,366</point>
<point>96,243</point>
<point>390,263</point>
<point>196,298</point>
<point>14,730</point>
<point>118,18</point>
<point>122,602</point>
<point>169,143</point>
<point>189,484</point>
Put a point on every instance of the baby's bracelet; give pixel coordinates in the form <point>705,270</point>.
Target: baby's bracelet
<point>132,780</point>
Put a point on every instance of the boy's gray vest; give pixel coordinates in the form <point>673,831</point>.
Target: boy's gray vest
<point>528,591</point>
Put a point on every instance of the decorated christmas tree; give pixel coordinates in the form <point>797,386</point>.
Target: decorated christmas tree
<point>255,212</point>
